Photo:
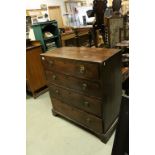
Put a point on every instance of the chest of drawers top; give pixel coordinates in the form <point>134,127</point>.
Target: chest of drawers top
<point>97,55</point>
<point>80,62</point>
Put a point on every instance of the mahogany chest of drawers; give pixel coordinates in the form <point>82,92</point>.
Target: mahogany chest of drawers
<point>85,86</point>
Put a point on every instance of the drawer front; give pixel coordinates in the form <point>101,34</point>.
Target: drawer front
<point>82,102</point>
<point>71,67</point>
<point>80,85</point>
<point>91,122</point>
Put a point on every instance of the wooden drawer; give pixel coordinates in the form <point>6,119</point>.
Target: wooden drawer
<point>68,36</point>
<point>71,67</point>
<point>80,85</point>
<point>72,98</point>
<point>91,122</point>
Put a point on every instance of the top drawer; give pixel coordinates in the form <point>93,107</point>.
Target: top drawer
<point>72,67</point>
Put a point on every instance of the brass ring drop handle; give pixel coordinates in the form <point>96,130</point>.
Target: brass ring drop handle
<point>51,62</point>
<point>86,103</point>
<point>84,86</point>
<point>57,92</point>
<point>82,69</point>
<point>88,120</point>
<point>54,77</point>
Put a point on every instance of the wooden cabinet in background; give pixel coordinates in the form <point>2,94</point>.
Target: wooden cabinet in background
<point>68,39</point>
<point>35,77</point>
<point>82,36</point>
<point>77,38</point>
<point>41,28</point>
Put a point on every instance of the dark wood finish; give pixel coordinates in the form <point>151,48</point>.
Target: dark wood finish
<point>82,86</point>
<point>125,86</point>
<point>83,118</point>
<point>103,136</point>
<point>77,38</point>
<point>35,77</point>
<point>116,5</point>
<point>82,102</point>
<point>68,39</point>
<point>72,67</point>
<point>112,82</point>
<point>85,84</point>
<point>121,141</point>
<point>82,36</point>
<point>84,54</point>
<point>99,7</point>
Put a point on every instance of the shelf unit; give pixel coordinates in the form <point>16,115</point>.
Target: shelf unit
<point>50,26</point>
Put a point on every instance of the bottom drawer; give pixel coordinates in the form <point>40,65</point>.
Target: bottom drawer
<point>91,122</point>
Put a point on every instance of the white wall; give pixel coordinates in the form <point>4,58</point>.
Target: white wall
<point>35,4</point>
<point>89,2</point>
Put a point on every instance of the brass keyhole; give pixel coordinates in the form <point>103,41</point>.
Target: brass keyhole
<point>84,86</point>
<point>88,120</point>
<point>57,91</point>
<point>86,103</point>
<point>54,77</point>
<point>82,69</point>
<point>51,62</point>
